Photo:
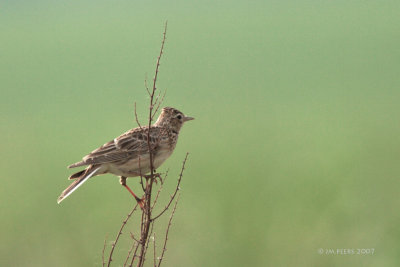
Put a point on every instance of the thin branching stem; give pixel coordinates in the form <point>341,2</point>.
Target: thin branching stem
<point>159,104</point>
<point>134,254</point>
<point>176,189</point>
<point>119,234</point>
<point>104,249</point>
<point>146,86</point>
<point>137,119</point>
<point>146,215</point>
<point>135,243</point>
<point>159,190</point>
<point>154,250</point>
<point>139,246</point>
<point>167,232</point>
<point>148,240</point>
<point>133,237</point>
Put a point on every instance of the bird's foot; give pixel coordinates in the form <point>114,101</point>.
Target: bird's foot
<point>141,202</point>
<point>154,176</point>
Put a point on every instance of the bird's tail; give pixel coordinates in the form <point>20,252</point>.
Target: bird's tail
<point>86,174</point>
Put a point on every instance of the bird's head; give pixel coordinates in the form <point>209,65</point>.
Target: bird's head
<point>172,118</point>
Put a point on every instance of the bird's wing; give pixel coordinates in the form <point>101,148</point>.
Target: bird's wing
<point>127,146</point>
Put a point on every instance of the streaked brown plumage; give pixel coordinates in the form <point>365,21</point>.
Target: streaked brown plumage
<point>128,154</point>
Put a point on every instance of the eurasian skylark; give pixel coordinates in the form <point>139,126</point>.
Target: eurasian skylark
<point>128,154</point>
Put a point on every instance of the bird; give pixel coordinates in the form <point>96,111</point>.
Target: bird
<point>128,154</point>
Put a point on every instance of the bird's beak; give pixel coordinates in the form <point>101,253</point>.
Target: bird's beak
<point>188,118</point>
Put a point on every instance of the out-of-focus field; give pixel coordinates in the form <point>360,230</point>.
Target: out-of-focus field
<point>295,146</point>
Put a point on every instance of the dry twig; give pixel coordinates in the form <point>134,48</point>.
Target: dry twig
<point>119,234</point>
<point>137,119</point>
<point>154,249</point>
<point>146,215</point>
<point>167,232</point>
<point>139,246</point>
<point>104,249</point>
<point>130,251</point>
<point>159,190</point>
<point>176,189</point>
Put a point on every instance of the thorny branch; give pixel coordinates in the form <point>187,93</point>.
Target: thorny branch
<point>146,215</point>
<point>118,235</point>
<point>140,246</point>
<point>146,86</point>
<point>159,103</point>
<point>176,189</point>
<point>167,232</point>
<point>134,244</point>
<point>159,190</point>
<point>137,119</point>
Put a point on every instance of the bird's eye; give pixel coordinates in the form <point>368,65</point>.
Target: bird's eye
<point>179,117</point>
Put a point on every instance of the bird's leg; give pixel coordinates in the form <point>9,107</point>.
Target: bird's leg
<point>140,201</point>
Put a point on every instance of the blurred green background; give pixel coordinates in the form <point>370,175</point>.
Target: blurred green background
<point>295,146</point>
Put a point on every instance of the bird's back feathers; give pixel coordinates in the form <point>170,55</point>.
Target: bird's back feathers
<point>128,145</point>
